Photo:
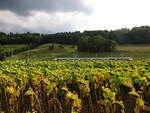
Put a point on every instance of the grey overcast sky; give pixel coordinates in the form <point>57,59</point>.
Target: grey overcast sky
<point>50,16</point>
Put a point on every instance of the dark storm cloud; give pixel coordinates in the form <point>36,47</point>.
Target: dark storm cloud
<point>23,7</point>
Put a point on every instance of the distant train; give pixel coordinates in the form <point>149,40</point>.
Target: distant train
<point>91,59</point>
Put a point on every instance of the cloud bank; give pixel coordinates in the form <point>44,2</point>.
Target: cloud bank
<point>39,22</point>
<point>50,16</point>
<point>44,16</point>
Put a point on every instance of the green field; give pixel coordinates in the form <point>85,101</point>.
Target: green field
<point>138,52</point>
<point>13,47</point>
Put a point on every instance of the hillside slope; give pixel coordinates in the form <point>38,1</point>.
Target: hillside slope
<point>42,52</point>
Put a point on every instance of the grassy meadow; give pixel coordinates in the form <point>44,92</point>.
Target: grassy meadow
<point>42,52</point>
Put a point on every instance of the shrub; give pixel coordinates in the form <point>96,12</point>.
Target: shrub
<point>51,47</point>
<point>61,46</point>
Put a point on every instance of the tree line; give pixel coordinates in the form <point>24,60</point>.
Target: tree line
<point>137,35</point>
